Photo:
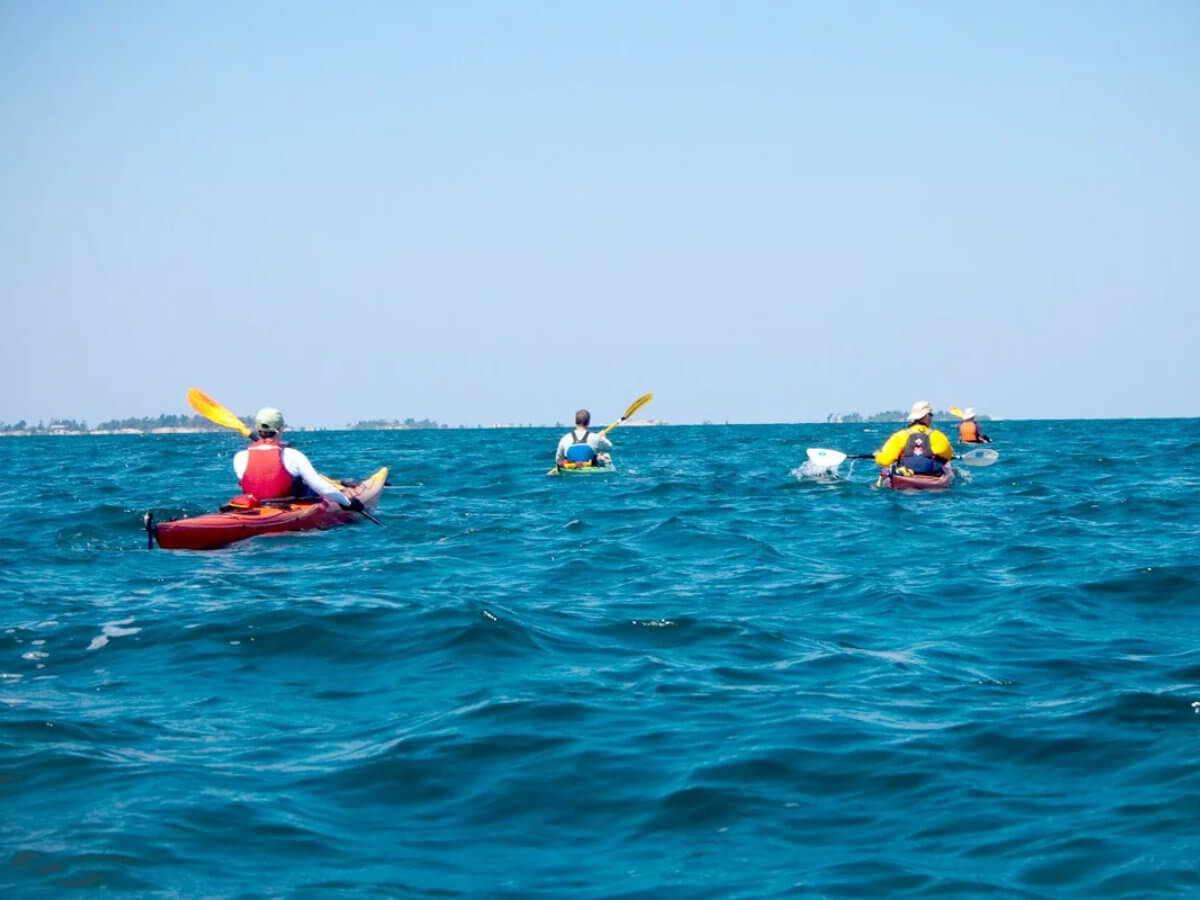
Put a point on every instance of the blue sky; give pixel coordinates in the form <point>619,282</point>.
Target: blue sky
<point>498,212</point>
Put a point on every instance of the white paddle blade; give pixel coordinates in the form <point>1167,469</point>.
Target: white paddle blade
<point>824,457</point>
<point>979,457</point>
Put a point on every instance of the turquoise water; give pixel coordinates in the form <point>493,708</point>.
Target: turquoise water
<point>702,676</point>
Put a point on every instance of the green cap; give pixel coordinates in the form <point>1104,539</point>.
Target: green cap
<point>268,419</point>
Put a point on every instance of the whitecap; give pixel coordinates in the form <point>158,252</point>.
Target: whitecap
<point>112,630</point>
<point>811,470</point>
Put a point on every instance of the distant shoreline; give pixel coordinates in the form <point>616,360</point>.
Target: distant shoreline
<point>75,432</point>
<point>56,431</point>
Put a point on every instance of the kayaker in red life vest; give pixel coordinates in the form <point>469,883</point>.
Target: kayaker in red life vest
<point>270,471</point>
<point>920,449</point>
<point>582,448</point>
<point>968,429</point>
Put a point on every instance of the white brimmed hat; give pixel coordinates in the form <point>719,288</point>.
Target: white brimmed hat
<point>920,410</point>
<point>968,413</point>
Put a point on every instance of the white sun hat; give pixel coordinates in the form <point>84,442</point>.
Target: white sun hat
<point>920,410</point>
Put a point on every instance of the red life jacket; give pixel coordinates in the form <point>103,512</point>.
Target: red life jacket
<point>265,476</point>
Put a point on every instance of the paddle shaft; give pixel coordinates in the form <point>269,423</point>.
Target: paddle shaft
<point>367,515</point>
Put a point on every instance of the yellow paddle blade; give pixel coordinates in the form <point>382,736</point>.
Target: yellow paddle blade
<point>633,407</point>
<point>955,411</point>
<point>637,404</point>
<point>215,412</point>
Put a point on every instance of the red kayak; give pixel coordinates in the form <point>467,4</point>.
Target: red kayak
<point>895,481</point>
<point>236,523</point>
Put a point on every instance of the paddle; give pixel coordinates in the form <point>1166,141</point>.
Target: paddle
<point>215,412</point>
<point>955,411</point>
<point>979,458</point>
<point>362,512</point>
<point>833,458</point>
<point>370,518</point>
<point>633,407</point>
<point>823,456</point>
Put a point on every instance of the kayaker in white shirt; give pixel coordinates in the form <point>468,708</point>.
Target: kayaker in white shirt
<point>269,471</point>
<point>581,446</point>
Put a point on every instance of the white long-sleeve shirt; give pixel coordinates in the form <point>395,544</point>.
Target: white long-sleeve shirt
<point>595,440</point>
<point>298,466</point>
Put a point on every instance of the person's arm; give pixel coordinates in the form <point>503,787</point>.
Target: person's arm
<point>941,446</point>
<point>561,453</point>
<point>297,464</point>
<point>599,442</point>
<point>240,460</point>
<point>890,452</point>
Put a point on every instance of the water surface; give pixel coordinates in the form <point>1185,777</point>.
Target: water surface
<point>702,676</point>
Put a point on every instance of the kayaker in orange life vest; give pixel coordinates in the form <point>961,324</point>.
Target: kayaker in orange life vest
<point>918,448</point>
<point>270,471</point>
<point>968,429</point>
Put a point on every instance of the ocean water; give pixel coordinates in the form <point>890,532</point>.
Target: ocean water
<point>703,676</point>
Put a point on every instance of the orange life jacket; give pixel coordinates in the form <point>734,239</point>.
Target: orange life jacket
<point>968,432</point>
<point>265,476</point>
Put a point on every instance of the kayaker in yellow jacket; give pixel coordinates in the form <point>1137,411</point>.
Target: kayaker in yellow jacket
<point>920,449</point>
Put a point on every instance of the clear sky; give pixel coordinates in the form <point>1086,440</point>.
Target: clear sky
<point>485,212</point>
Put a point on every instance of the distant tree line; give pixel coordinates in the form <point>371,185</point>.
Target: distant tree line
<point>42,426</point>
<point>148,423</point>
<point>189,422</point>
<point>142,423</point>
<point>379,424</point>
<point>891,415</point>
